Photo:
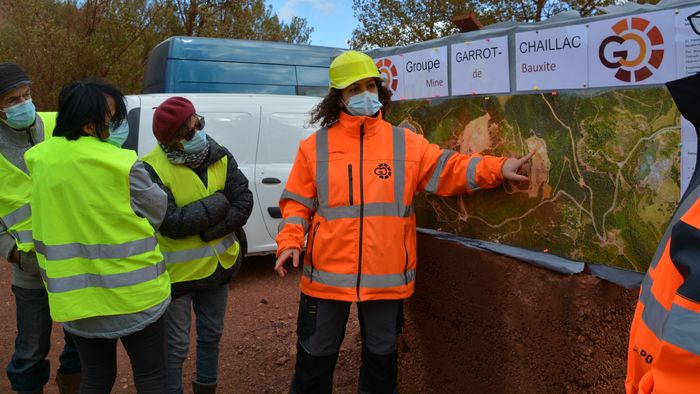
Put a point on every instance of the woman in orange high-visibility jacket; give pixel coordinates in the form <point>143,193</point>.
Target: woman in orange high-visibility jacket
<point>664,347</point>
<point>351,190</point>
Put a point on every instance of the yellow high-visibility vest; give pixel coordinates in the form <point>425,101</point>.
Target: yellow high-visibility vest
<point>15,213</point>
<point>49,120</point>
<point>16,187</point>
<point>96,256</point>
<point>190,258</point>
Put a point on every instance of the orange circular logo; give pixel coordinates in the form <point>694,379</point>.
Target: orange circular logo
<point>389,72</point>
<point>639,49</point>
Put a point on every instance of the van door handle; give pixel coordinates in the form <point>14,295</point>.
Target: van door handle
<point>271,181</point>
<point>275,212</point>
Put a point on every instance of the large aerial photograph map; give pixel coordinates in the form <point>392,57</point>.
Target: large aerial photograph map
<point>604,181</point>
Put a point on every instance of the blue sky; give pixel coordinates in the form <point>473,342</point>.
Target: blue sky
<point>332,20</point>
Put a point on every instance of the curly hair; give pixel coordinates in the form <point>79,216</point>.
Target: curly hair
<point>327,112</point>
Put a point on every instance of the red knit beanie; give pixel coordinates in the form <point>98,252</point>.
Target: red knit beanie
<point>169,116</point>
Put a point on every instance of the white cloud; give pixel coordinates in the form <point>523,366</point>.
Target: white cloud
<point>291,8</point>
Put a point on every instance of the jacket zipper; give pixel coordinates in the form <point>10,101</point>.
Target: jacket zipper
<point>350,181</point>
<point>362,209</point>
<point>311,252</point>
<point>405,250</point>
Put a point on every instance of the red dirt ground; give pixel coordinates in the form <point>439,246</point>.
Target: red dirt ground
<point>478,323</point>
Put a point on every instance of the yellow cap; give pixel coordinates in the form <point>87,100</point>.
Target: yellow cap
<point>350,67</point>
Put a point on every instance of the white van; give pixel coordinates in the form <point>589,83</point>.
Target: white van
<point>261,131</point>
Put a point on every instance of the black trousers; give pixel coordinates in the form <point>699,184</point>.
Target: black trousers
<point>146,350</point>
<point>320,332</point>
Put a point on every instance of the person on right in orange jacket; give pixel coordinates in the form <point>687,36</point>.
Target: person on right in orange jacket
<point>351,189</point>
<point>664,348</point>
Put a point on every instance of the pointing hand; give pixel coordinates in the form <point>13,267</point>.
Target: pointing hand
<point>513,167</point>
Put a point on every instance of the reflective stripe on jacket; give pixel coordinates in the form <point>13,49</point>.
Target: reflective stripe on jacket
<point>351,188</point>
<point>190,258</point>
<point>96,256</point>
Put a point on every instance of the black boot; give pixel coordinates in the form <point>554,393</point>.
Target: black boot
<point>378,373</point>
<point>68,383</point>
<point>199,388</point>
<point>313,374</point>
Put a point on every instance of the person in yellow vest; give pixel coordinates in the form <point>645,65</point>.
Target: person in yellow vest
<point>351,189</point>
<point>20,129</point>
<point>49,120</point>
<point>208,203</point>
<point>95,211</point>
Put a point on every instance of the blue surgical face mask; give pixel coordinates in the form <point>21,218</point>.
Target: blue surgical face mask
<point>364,104</point>
<point>20,116</point>
<point>196,144</point>
<point>119,134</point>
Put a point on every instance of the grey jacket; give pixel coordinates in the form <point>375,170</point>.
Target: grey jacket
<point>13,144</point>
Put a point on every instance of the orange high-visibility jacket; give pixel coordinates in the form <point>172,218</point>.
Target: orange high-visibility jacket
<point>664,347</point>
<point>351,189</point>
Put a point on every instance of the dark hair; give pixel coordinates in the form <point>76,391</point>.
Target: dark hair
<point>82,103</point>
<point>328,110</point>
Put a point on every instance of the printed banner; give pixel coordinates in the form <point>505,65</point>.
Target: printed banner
<point>689,153</point>
<point>391,67</point>
<point>551,59</point>
<point>633,50</point>
<point>688,41</point>
<point>480,67</point>
<point>425,73</point>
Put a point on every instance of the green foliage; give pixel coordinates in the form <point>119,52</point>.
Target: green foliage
<point>538,10</point>
<point>387,23</point>
<point>249,19</point>
<point>61,41</point>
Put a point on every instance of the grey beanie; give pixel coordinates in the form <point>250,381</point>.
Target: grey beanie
<point>12,76</point>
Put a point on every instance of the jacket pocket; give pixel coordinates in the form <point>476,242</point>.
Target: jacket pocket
<point>28,263</point>
<point>311,251</point>
<point>350,183</point>
<point>306,321</point>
